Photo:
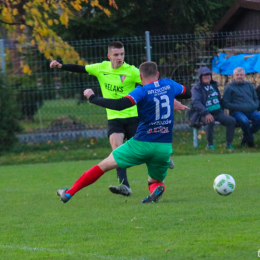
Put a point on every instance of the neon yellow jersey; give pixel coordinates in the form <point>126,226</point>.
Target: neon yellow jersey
<point>116,83</point>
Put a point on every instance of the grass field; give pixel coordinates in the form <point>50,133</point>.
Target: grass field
<point>89,149</point>
<point>190,221</point>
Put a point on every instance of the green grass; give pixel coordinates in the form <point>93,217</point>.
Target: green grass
<point>81,149</point>
<point>88,149</point>
<point>191,221</point>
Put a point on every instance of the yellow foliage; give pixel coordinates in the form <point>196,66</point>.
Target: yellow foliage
<point>62,5</point>
<point>54,6</point>
<point>47,54</point>
<point>107,12</point>
<point>50,22</point>
<point>7,15</point>
<point>64,18</point>
<point>30,23</point>
<point>36,23</point>
<point>113,3</point>
<point>59,51</point>
<point>46,7</point>
<point>26,69</point>
<point>28,4</point>
<point>45,31</point>
<point>15,11</point>
<point>76,6</point>
<point>94,3</point>
<point>37,14</point>
<point>40,48</point>
<point>80,62</point>
<point>21,38</point>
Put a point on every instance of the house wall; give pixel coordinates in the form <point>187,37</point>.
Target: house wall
<point>246,20</point>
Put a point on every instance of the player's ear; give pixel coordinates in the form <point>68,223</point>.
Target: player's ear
<point>158,73</point>
<point>108,55</point>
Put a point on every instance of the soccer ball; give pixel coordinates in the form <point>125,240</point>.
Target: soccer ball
<point>224,184</point>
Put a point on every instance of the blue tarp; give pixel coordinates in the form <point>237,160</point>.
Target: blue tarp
<point>224,66</point>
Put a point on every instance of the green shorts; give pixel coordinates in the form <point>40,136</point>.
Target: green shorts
<point>155,155</point>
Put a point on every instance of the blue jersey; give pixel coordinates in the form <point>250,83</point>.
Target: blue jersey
<point>155,105</point>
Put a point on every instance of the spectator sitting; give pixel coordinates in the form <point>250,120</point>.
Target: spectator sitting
<point>205,108</point>
<point>241,99</point>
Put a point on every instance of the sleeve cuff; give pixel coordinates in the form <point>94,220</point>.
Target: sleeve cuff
<point>131,99</point>
<point>204,113</point>
<point>91,97</point>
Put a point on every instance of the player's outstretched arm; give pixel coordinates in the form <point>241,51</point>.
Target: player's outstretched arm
<point>115,104</point>
<point>185,95</point>
<point>68,67</point>
<point>178,106</point>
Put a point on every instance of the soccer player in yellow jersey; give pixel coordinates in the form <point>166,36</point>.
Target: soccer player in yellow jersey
<point>116,79</point>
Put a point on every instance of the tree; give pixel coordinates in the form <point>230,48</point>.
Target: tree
<point>133,18</point>
<point>33,20</point>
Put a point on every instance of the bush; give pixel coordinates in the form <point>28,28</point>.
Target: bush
<point>30,101</point>
<point>28,95</point>
<point>8,117</point>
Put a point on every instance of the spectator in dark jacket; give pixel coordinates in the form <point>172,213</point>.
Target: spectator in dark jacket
<point>206,108</point>
<point>242,101</point>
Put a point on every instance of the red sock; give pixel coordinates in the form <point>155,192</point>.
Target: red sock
<point>153,186</point>
<point>86,179</point>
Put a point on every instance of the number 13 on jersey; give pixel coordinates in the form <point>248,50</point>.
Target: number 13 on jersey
<point>164,102</point>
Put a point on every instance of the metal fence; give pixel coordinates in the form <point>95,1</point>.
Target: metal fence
<point>51,101</point>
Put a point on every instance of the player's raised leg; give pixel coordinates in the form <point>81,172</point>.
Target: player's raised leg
<point>156,189</point>
<point>157,171</point>
<point>88,177</point>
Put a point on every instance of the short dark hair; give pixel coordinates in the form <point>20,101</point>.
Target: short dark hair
<point>148,69</point>
<point>115,45</point>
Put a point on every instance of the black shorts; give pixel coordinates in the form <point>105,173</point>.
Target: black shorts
<point>127,126</point>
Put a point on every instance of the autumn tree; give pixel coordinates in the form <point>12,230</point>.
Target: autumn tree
<point>32,21</point>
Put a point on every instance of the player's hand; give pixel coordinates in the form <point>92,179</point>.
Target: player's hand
<point>55,64</point>
<point>209,118</point>
<point>178,106</point>
<point>88,92</point>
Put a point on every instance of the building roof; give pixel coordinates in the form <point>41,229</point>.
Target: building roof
<point>235,10</point>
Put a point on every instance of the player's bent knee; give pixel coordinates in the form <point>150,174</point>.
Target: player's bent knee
<point>153,180</point>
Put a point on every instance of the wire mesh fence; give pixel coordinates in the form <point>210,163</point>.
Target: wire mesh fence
<point>51,104</point>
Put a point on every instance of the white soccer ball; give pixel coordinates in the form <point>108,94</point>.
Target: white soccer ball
<point>224,184</point>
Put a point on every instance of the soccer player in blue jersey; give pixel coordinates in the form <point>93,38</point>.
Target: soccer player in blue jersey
<point>152,143</point>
